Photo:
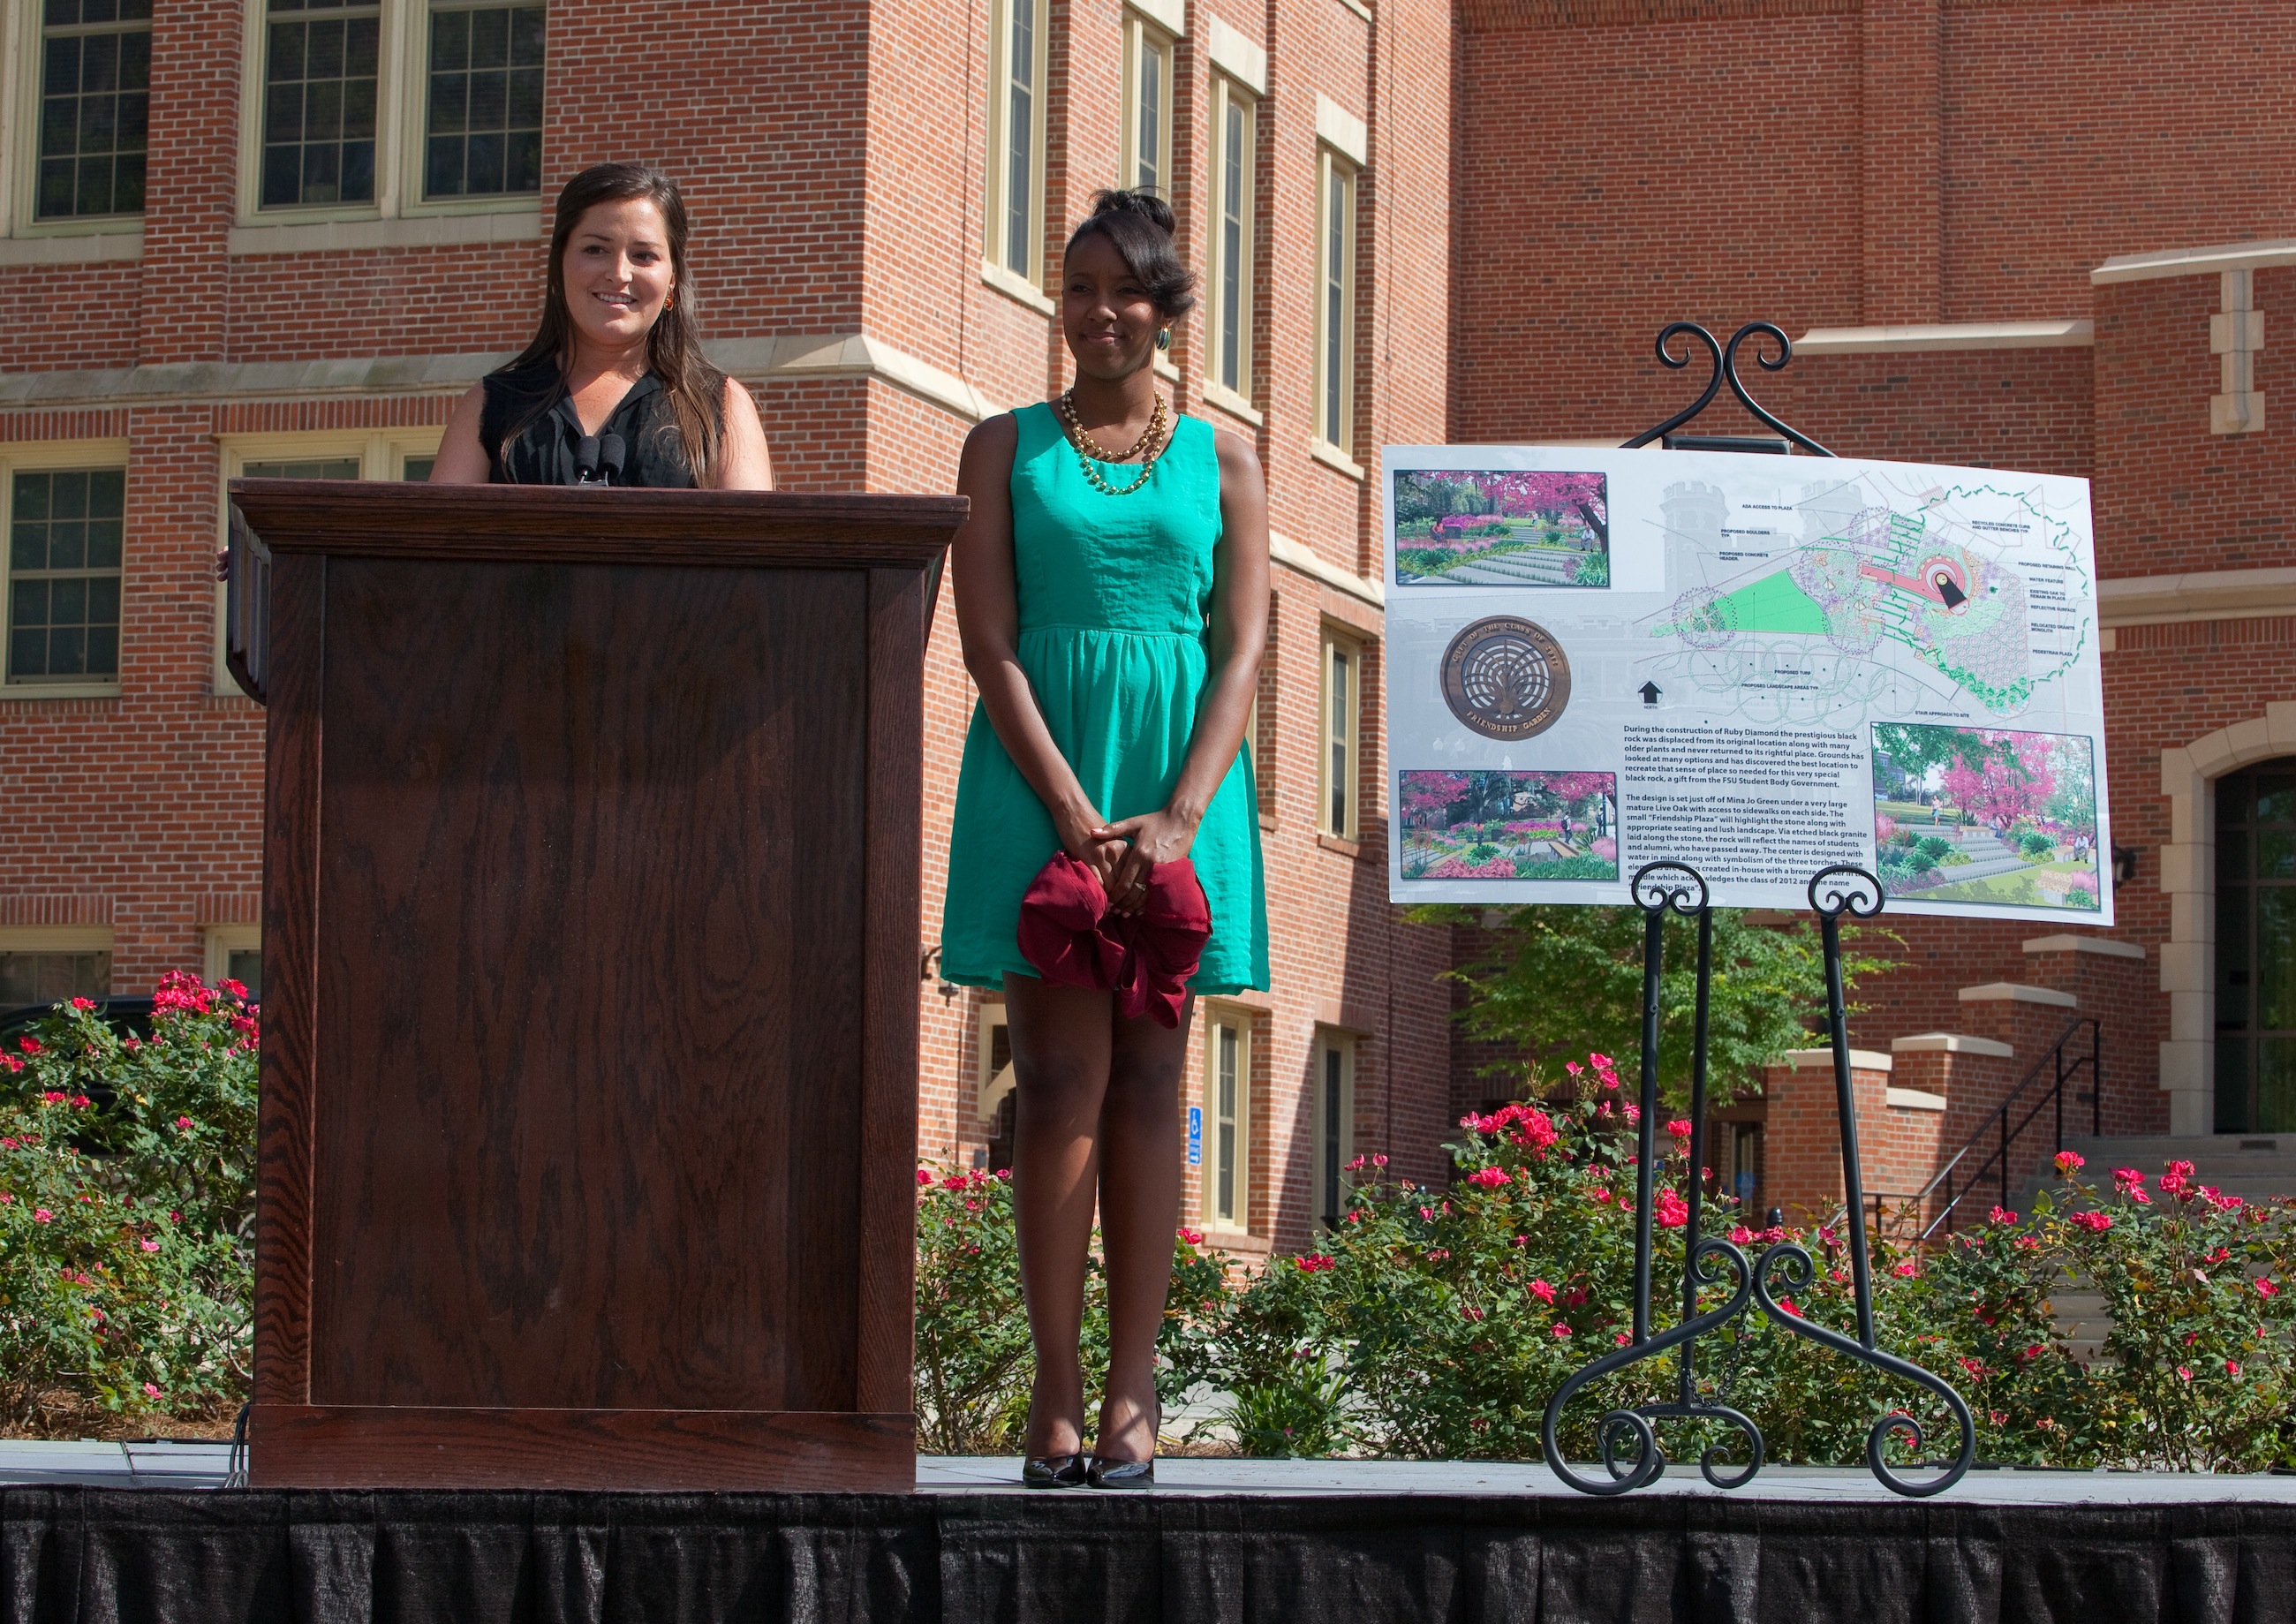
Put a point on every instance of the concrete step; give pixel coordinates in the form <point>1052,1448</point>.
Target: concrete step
<point>2254,1167</point>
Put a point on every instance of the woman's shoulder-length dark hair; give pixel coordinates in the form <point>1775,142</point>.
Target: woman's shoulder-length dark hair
<point>694,390</point>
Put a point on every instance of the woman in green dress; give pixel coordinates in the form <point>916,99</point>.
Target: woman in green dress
<point>1111,591</point>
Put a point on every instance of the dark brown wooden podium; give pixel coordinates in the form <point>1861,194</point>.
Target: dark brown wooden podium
<point>590,858</point>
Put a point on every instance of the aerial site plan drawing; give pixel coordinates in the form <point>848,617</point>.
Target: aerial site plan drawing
<point>1773,663</point>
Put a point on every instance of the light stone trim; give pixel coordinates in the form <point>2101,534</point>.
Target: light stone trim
<point>1951,1042</point>
<point>1171,16</point>
<point>1342,131</point>
<point>520,225</point>
<point>55,938</point>
<point>2200,594</point>
<point>1915,1099</point>
<point>1303,561</point>
<point>852,355</point>
<point>212,381</point>
<point>1236,54</point>
<point>2065,335</point>
<point>1860,1059</point>
<point>2104,946</point>
<point>75,248</point>
<point>2013,992</point>
<point>1331,457</point>
<point>1234,405</point>
<point>1015,286</point>
<point>2188,777</point>
<point>2207,261</point>
<point>792,355</point>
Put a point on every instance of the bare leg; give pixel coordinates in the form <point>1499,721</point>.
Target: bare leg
<point>1061,1048</point>
<point>1139,1210</point>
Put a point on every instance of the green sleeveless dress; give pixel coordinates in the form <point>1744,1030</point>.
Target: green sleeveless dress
<point>1114,595</point>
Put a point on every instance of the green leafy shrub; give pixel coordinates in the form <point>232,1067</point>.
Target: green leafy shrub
<point>2035,847</point>
<point>974,1363</point>
<point>1438,1323</point>
<point>1936,848</point>
<point>127,1208</point>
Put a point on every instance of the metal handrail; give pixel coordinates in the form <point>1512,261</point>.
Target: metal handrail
<point>1997,1121</point>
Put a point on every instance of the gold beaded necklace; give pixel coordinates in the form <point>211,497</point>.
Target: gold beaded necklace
<point>1149,446</point>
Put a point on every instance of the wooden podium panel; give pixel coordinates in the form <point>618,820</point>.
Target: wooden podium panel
<point>591,926</point>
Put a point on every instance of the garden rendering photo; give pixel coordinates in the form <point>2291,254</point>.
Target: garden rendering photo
<point>1502,825</point>
<point>1977,815</point>
<point>1505,528</point>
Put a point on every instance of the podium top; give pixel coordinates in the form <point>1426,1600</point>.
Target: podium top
<point>591,525</point>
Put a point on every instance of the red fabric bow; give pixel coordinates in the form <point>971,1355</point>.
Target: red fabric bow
<point>1145,959</point>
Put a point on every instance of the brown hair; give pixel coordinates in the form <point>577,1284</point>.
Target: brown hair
<point>694,390</point>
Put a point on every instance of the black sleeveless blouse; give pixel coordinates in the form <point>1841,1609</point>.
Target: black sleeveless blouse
<point>550,449</point>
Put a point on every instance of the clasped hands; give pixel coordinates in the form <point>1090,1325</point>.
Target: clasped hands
<point>1121,853</point>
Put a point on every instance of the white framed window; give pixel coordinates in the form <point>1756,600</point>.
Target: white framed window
<point>1226,1118</point>
<point>1232,198</point>
<point>1147,143</point>
<point>360,109</point>
<point>63,525</point>
<point>992,1064</point>
<point>1013,219</point>
<point>1339,734</point>
<point>235,953</point>
<point>1335,302</point>
<point>1334,1115</point>
<point>329,454</point>
<point>47,963</point>
<point>85,86</point>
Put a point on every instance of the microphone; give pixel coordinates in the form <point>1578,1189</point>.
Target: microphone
<point>611,452</point>
<point>586,460</point>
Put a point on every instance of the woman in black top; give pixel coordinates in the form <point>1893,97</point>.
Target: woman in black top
<point>613,390</point>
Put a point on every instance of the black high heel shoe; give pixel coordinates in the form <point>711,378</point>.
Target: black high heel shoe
<point>1054,1472</point>
<point>1106,1474</point>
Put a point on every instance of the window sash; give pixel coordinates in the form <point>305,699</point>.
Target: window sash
<point>1234,157</point>
<point>321,104</point>
<point>1147,156</point>
<point>63,579</point>
<point>482,98</point>
<point>94,77</point>
<point>1227,1112</point>
<point>1012,220</point>
<point>1335,321</point>
<point>1341,707</point>
<point>1334,1126</point>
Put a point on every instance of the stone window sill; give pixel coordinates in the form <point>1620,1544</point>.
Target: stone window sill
<point>1237,1241</point>
<point>25,692</point>
<point>74,247</point>
<point>1351,849</point>
<point>1331,456</point>
<point>1234,405</point>
<point>1017,288</point>
<point>519,225</point>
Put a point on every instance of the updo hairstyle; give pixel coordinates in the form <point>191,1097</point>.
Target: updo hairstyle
<point>1139,225</point>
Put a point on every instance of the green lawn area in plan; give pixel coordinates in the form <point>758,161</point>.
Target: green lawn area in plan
<point>2018,888</point>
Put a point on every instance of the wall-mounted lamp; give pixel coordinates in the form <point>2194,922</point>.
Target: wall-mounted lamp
<point>927,967</point>
<point>2124,863</point>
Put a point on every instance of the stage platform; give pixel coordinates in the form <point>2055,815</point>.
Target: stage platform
<point>95,1532</point>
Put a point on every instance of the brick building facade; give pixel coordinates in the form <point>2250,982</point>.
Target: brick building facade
<point>283,236</point>
<point>2033,234</point>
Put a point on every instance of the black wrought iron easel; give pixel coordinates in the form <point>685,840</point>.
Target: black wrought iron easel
<point>1661,887</point>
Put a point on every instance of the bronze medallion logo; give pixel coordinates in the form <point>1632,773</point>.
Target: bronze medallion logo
<point>1506,677</point>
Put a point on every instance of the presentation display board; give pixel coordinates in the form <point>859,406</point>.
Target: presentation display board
<point>1756,665</point>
